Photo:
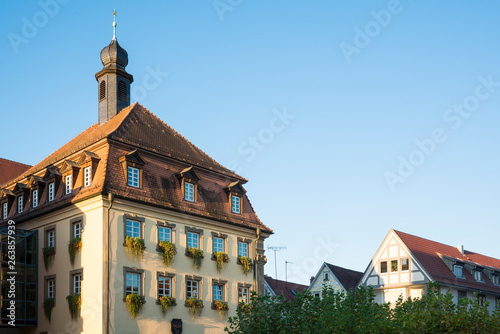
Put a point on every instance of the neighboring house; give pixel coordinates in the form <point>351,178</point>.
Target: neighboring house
<point>11,169</point>
<point>404,264</point>
<point>335,277</point>
<point>130,175</point>
<point>276,287</point>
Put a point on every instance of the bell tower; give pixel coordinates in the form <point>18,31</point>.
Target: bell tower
<point>113,80</point>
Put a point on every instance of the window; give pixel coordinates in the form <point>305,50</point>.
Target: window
<point>326,276</point>
<point>164,286</point>
<point>462,294</point>
<point>481,299</point>
<point>394,266</point>
<point>51,191</point>
<point>133,229</point>
<point>458,270</point>
<point>20,204</point>
<point>495,279</point>
<point>51,238</point>
<point>243,294</point>
<point>189,192</point>
<point>242,249</point>
<point>88,176</point>
<point>164,234</point>
<point>122,91</point>
<point>133,177</point>
<point>35,198</point>
<point>191,289</point>
<point>218,245</point>
<point>478,275</point>
<point>218,292</point>
<point>193,240</point>
<point>50,286</point>
<point>317,295</point>
<point>497,302</point>
<point>405,264</point>
<point>68,184</point>
<point>5,211</point>
<point>235,204</point>
<point>76,282</point>
<point>102,91</point>
<point>383,267</point>
<point>133,283</point>
<point>77,229</point>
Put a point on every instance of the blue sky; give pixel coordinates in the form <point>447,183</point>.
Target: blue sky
<point>348,117</point>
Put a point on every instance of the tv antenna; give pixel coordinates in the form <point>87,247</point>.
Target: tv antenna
<point>275,249</point>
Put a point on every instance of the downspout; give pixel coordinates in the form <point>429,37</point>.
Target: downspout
<point>257,233</point>
<point>111,198</point>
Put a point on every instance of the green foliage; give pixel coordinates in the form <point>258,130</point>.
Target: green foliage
<point>222,307</point>
<point>75,245</point>
<point>168,250</point>
<point>247,264</point>
<point>134,304</point>
<point>48,305</point>
<point>166,302</point>
<point>134,245</point>
<point>48,256</point>
<point>357,312</point>
<point>197,255</point>
<point>195,306</point>
<point>74,304</point>
<point>220,258</point>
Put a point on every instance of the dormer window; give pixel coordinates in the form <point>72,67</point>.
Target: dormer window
<point>87,173</point>
<point>20,204</point>
<point>4,210</point>
<point>36,184</point>
<point>88,161</point>
<point>235,194</point>
<point>189,192</point>
<point>133,167</point>
<point>69,184</point>
<point>495,278</point>
<point>189,184</point>
<point>34,198</point>
<point>478,274</point>
<point>235,204</point>
<point>133,177</point>
<point>458,270</point>
<point>22,193</point>
<point>51,191</point>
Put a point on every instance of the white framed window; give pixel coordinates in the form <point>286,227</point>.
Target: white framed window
<point>51,238</point>
<point>20,204</point>
<point>164,234</point>
<point>164,286</point>
<point>495,279</point>
<point>218,292</point>
<point>193,240</point>
<point>133,283</point>
<point>218,244</point>
<point>394,266</point>
<point>243,295</point>
<point>5,211</point>
<point>235,204</point>
<point>478,275</point>
<point>133,177</point>
<point>69,187</point>
<point>77,230</point>
<point>189,191</point>
<point>242,249</point>
<point>35,198</point>
<point>405,264</point>
<point>458,270</point>
<point>326,276</point>
<point>77,283</point>
<point>383,267</point>
<point>87,176</point>
<point>191,289</point>
<point>51,191</point>
<point>51,288</point>
<point>133,229</point>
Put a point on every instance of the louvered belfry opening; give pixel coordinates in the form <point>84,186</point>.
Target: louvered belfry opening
<point>102,91</point>
<point>122,91</point>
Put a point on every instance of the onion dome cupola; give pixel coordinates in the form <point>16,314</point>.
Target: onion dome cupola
<point>113,80</point>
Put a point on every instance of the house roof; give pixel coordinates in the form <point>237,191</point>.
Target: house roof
<point>347,277</point>
<point>429,254</point>
<point>11,169</point>
<point>169,153</point>
<point>286,289</point>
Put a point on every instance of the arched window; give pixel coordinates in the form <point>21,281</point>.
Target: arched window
<point>122,91</point>
<point>102,91</point>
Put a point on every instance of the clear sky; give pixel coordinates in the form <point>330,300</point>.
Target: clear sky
<point>349,118</point>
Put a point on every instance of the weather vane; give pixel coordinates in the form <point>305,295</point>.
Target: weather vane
<point>114,24</point>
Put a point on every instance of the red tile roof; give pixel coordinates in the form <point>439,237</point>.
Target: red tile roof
<point>347,277</point>
<point>11,169</point>
<point>286,289</point>
<point>428,253</point>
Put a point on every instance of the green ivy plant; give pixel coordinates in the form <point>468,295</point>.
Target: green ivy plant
<point>74,304</point>
<point>195,306</point>
<point>166,302</point>
<point>134,304</point>
<point>168,250</point>
<point>220,258</point>
<point>197,255</point>
<point>48,305</point>
<point>246,262</point>
<point>75,245</point>
<point>48,256</point>
<point>134,246</point>
<point>222,307</point>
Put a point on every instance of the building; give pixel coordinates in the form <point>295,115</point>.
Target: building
<point>404,265</point>
<point>10,169</point>
<point>106,206</point>
<point>335,277</point>
<point>276,287</point>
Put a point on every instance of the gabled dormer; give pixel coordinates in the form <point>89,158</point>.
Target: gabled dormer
<point>235,193</point>
<point>21,191</point>
<point>69,170</point>
<point>7,199</point>
<point>88,163</point>
<point>189,184</point>
<point>133,168</point>
<point>52,179</point>
<point>36,185</point>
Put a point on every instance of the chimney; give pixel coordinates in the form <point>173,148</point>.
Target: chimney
<point>461,249</point>
<point>312,279</point>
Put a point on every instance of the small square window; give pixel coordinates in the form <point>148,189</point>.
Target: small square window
<point>35,198</point>
<point>51,191</point>
<point>164,234</point>
<point>164,286</point>
<point>133,283</point>
<point>133,229</point>
<point>317,295</point>
<point>133,177</point>
<point>383,267</point>
<point>193,240</point>
<point>189,191</point>
<point>235,204</point>
<point>394,266</point>
<point>405,264</point>
<point>242,249</point>
<point>69,187</point>
<point>191,289</point>
<point>243,295</point>
<point>87,176</point>
<point>5,210</point>
<point>218,245</point>
<point>20,204</point>
<point>326,277</point>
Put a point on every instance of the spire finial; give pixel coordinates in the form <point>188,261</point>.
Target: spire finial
<point>114,24</point>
